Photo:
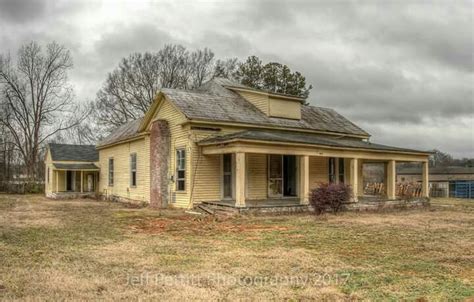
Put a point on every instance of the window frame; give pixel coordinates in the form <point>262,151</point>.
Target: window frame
<point>132,170</point>
<point>180,155</point>
<point>111,171</point>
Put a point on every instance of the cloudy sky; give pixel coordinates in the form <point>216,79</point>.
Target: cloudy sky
<point>403,70</point>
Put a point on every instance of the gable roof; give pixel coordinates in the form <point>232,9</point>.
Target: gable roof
<point>66,152</point>
<point>215,101</point>
<point>126,131</point>
<point>301,138</point>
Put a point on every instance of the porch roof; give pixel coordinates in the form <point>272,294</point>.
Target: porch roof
<point>301,138</point>
<point>76,167</point>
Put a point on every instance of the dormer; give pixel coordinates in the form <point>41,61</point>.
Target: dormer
<point>270,103</point>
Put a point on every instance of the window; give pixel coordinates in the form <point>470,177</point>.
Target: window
<point>133,169</point>
<point>47,180</point>
<point>341,170</point>
<point>332,169</point>
<point>180,170</point>
<point>111,171</point>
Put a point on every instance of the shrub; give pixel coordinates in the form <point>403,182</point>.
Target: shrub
<point>330,197</point>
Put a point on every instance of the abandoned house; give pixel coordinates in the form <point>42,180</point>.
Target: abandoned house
<point>225,143</point>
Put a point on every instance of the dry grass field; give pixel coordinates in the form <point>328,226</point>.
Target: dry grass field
<point>85,249</point>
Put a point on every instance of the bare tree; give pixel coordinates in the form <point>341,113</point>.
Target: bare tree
<point>36,98</point>
<point>201,64</point>
<point>128,90</point>
<point>131,87</point>
<point>7,154</point>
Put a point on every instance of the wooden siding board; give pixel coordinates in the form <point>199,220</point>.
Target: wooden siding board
<point>121,155</point>
<point>257,176</point>
<point>318,171</point>
<point>258,100</point>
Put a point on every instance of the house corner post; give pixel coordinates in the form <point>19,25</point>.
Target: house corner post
<point>425,180</point>
<point>354,165</point>
<point>304,179</point>
<point>82,181</point>
<point>240,179</point>
<point>391,179</point>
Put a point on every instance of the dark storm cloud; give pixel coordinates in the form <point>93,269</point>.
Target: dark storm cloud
<point>20,11</point>
<point>403,70</point>
<point>126,39</point>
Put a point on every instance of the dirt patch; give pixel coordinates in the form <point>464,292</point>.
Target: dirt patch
<point>189,225</point>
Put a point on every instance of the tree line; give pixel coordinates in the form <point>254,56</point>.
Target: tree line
<point>37,103</point>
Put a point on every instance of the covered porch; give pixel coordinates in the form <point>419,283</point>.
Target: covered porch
<point>287,166</point>
<point>71,180</point>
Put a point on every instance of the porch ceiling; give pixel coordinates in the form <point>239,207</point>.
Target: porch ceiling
<point>76,167</point>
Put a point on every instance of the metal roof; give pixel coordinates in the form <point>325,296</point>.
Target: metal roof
<point>68,152</point>
<point>437,170</point>
<point>234,108</point>
<point>301,138</point>
<point>123,132</point>
<point>76,167</point>
<point>215,102</point>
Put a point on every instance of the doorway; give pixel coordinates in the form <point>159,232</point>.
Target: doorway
<point>90,182</point>
<point>227,177</point>
<point>69,181</point>
<point>282,176</point>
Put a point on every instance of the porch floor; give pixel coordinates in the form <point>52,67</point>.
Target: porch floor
<point>71,195</point>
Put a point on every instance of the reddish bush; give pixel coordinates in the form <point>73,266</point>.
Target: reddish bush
<point>330,197</point>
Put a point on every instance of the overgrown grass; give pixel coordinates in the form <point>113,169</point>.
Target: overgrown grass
<point>97,250</point>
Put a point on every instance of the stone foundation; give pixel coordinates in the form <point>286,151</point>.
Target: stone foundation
<point>419,202</point>
<point>380,205</point>
<point>115,198</point>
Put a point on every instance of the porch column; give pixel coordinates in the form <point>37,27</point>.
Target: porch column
<point>240,179</point>
<point>354,165</point>
<point>360,178</point>
<point>391,179</point>
<point>425,180</point>
<point>82,180</point>
<point>304,179</point>
<point>57,180</point>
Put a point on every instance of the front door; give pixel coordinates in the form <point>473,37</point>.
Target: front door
<point>289,175</point>
<point>69,181</point>
<point>282,176</point>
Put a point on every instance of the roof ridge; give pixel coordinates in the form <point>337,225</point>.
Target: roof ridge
<point>91,145</point>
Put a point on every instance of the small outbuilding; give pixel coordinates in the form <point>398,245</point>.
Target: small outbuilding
<point>71,170</point>
<point>444,181</point>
